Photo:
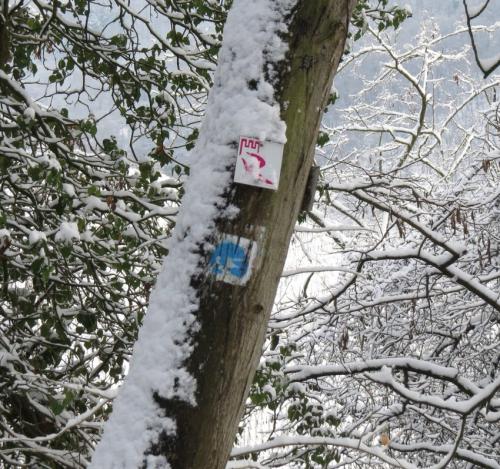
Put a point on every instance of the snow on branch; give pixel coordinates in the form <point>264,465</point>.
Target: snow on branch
<point>351,443</point>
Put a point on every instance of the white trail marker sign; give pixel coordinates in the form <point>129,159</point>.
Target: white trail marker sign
<point>258,163</point>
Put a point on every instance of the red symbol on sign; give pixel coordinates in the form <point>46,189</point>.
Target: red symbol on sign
<point>252,143</point>
<point>249,163</point>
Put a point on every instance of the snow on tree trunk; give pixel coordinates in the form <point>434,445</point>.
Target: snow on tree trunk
<point>202,336</point>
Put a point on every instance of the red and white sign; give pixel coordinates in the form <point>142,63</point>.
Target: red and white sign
<point>258,163</point>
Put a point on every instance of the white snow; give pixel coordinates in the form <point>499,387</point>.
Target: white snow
<point>353,443</point>
<point>69,189</point>
<point>36,236</point>
<point>268,389</point>
<point>92,202</point>
<point>29,114</point>
<point>68,232</point>
<point>250,38</point>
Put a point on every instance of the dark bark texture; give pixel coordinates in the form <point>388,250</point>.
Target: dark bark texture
<point>4,33</point>
<point>234,318</point>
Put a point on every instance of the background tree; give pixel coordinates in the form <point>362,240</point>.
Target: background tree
<point>394,360</point>
<point>84,214</point>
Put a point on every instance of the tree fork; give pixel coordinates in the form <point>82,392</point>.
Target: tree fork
<point>233,319</point>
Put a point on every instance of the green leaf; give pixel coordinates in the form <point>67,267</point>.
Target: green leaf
<point>56,406</point>
<point>323,139</point>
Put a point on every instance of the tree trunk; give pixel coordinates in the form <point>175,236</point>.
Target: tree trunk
<point>198,326</point>
<point>234,318</point>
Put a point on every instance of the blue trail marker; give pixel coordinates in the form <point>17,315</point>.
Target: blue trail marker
<point>231,260</point>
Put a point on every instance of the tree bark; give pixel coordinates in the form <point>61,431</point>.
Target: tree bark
<point>234,318</point>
